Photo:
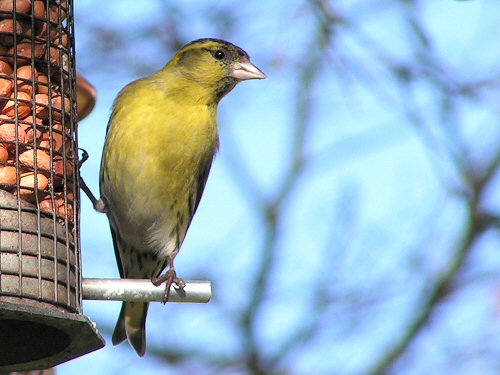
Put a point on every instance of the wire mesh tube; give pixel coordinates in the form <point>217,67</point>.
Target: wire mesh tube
<point>39,224</point>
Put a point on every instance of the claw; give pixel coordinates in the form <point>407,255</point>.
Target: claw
<point>85,156</point>
<point>169,278</point>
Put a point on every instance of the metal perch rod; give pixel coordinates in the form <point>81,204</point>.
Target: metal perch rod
<point>135,290</point>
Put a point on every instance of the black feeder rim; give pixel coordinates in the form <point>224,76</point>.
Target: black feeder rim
<point>50,336</point>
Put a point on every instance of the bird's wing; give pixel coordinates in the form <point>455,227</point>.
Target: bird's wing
<point>201,181</point>
<point>117,251</point>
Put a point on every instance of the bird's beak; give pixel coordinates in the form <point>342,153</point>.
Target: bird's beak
<point>243,70</point>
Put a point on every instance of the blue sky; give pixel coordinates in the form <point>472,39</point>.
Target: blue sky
<point>360,210</point>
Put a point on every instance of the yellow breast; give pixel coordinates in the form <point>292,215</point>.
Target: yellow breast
<point>155,143</point>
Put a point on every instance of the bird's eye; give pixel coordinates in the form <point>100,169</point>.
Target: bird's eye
<point>219,55</point>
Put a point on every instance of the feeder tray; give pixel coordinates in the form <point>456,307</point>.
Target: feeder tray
<point>85,97</point>
<point>34,338</point>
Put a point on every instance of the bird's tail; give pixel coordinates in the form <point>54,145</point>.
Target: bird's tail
<point>131,325</point>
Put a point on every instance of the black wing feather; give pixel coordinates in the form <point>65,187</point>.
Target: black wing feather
<point>117,252</point>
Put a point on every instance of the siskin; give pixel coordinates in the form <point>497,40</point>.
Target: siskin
<point>160,142</point>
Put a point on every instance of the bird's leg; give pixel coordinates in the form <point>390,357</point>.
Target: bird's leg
<point>169,278</point>
<point>98,204</point>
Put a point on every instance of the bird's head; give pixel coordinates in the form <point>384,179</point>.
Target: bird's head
<point>214,65</point>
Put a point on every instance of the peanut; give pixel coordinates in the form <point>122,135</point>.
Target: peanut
<point>22,6</point>
<point>61,39</point>
<point>27,185</point>
<point>57,138</point>
<point>43,84</point>
<point>25,52</point>
<point>54,13</point>
<point>8,132</point>
<point>57,205</point>
<point>59,166</point>
<point>7,175</point>
<point>7,27</point>
<point>5,88</point>
<point>59,172</point>
<point>31,134</point>
<point>5,68</point>
<point>57,105</point>
<point>27,158</point>
<point>26,78</point>
<point>39,9</point>
<point>42,106</point>
<point>23,106</point>
<point>5,83</point>
<point>4,152</point>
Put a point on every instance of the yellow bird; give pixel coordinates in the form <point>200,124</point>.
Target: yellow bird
<point>160,142</point>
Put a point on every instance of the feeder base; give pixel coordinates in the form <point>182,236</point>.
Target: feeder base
<point>36,339</point>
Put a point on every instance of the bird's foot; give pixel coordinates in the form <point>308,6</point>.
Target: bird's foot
<point>85,156</point>
<point>100,206</point>
<point>169,278</point>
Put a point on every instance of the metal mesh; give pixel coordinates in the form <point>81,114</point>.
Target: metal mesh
<point>39,192</point>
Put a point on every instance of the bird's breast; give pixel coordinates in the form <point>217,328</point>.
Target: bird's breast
<point>153,177</point>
